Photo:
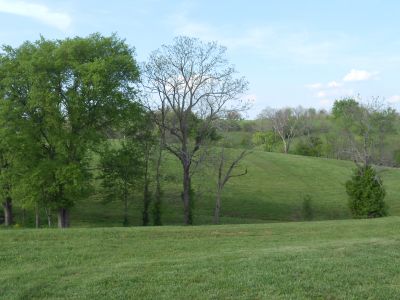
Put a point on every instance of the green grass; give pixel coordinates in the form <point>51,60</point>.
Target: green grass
<point>348,259</point>
<point>273,190</point>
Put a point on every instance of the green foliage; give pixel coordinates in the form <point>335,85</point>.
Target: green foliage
<point>344,107</point>
<point>311,146</point>
<point>121,169</point>
<point>366,193</point>
<point>248,125</point>
<point>122,172</point>
<point>61,97</point>
<point>246,142</point>
<point>366,128</point>
<point>307,209</point>
<point>268,139</point>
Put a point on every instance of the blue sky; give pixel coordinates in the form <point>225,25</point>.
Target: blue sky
<point>293,53</point>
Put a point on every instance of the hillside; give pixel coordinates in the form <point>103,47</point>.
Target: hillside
<point>273,190</point>
<point>349,259</point>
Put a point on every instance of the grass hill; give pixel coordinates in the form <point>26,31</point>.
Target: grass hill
<point>348,259</point>
<point>273,190</point>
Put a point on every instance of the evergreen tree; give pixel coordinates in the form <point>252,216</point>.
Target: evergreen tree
<point>366,193</point>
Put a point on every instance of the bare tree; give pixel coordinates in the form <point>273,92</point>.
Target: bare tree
<point>193,85</point>
<point>285,122</point>
<point>224,176</point>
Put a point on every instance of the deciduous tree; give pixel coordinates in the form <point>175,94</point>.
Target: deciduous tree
<point>63,94</point>
<point>192,85</point>
<point>226,170</point>
<point>285,122</point>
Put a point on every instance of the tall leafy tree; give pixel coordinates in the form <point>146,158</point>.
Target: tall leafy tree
<point>63,94</point>
<point>125,163</point>
<point>366,127</point>
<point>122,173</point>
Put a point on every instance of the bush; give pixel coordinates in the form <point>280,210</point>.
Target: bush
<point>310,147</point>
<point>268,139</point>
<point>366,193</point>
<point>246,141</point>
<point>248,126</point>
<point>307,210</point>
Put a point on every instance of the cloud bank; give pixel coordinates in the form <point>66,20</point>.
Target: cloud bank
<point>39,12</point>
<point>359,75</point>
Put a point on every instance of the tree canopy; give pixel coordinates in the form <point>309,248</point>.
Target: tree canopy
<point>63,95</point>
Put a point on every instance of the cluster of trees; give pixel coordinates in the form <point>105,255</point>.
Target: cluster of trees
<point>358,132</point>
<point>80,109</point>
<point>353,130</point>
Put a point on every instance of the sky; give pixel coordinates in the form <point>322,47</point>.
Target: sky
<point>292,52</point>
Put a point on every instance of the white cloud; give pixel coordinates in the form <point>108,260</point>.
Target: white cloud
<point>320,86</point>
<point>38,12</point>
<point>359,75</point>
<point>394,99</point>
<point>334,84</point>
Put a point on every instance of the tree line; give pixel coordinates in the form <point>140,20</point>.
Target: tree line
<point>353,130</point>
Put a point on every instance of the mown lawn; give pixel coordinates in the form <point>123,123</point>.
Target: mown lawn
<point>348,259</point>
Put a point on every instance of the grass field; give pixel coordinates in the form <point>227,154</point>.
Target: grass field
<point>273,190</point>
<point>348,259</point>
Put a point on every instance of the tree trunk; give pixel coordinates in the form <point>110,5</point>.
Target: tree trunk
<point>146,193</point>
<point>146,203</point>
<point>8,214</point>
<point>23,216</point>
<point>63,218</point>
<point>217,207</point>
<point>157,201</point>
<point>37,216</point>
<point>188,220</point>
<point>285,146</point>
<point>126,221</point>
<point>48,214</point>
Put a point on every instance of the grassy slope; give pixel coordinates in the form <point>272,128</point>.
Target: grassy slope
<point>349,259</point>
<point>273,190</point>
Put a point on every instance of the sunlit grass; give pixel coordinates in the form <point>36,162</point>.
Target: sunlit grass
<point>349,259</point>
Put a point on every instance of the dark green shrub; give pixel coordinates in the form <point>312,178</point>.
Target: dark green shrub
<point>366,193</point>
<point>312,146</point>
